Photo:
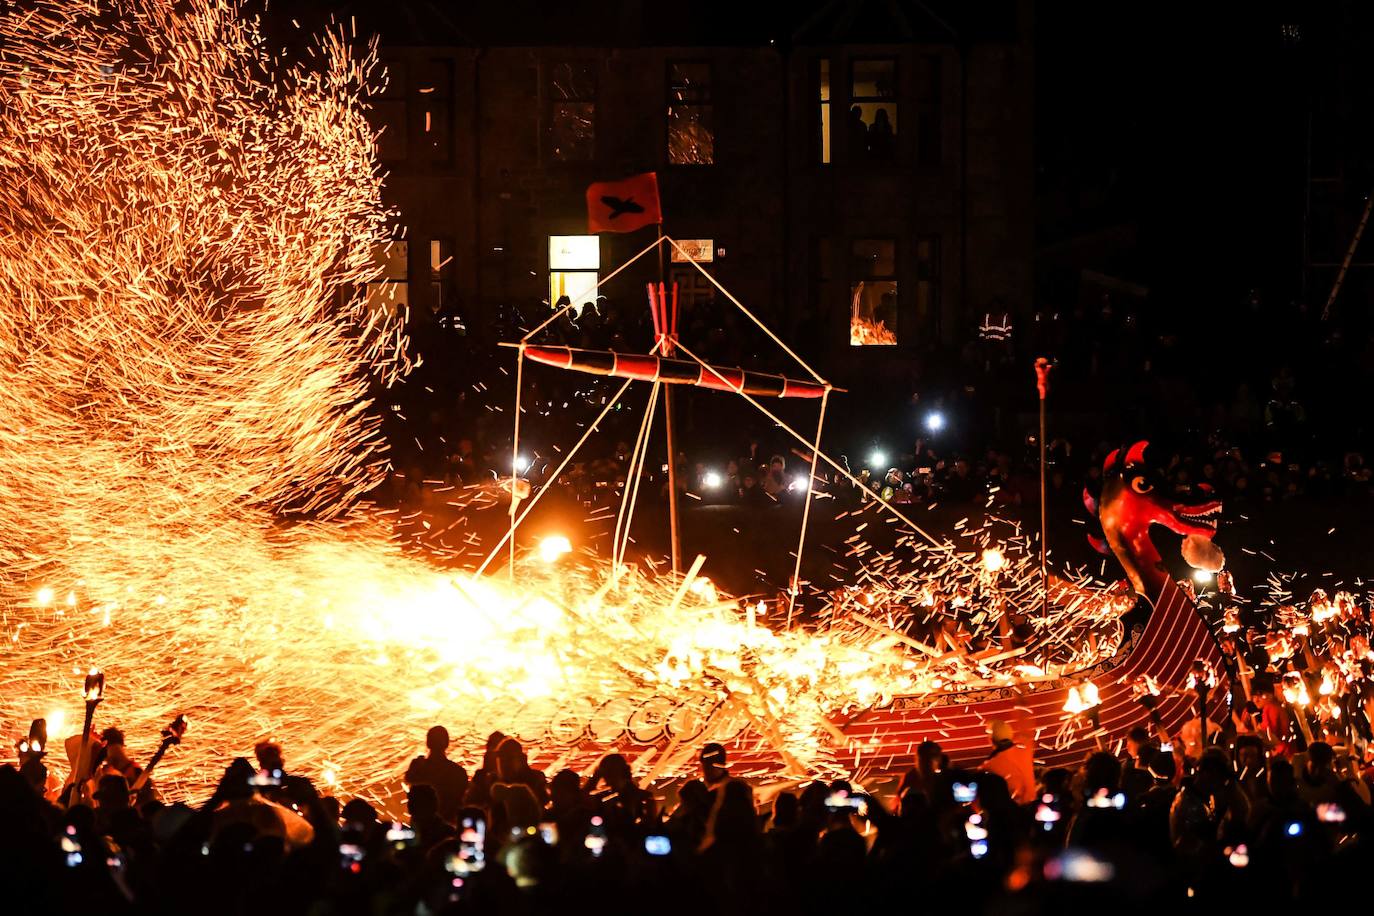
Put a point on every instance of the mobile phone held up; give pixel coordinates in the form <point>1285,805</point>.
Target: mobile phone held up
<point>842,802</point>
<point>657,845</point>
<point>595,840</point>
<point>471,856</point>
<point>965,792</point>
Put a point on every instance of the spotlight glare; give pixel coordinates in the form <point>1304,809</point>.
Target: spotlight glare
<point>935,421</point>
<point>553,547</point>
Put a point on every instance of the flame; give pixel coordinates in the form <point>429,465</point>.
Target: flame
<point>866,333</point>
<point>187,435</point>
<point>1082,698</point>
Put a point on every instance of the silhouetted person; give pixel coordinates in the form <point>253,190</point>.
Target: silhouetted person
<point>449,779</point>
<point>882,139</point>
<point>422,803</point>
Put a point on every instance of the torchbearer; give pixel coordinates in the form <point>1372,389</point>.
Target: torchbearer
<point>92,691</point>
<point>1145,690</point>
<point>1295,692</point>
<point>1084,699</point>
<point>1202,677</point>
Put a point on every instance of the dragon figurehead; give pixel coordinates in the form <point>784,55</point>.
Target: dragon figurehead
<point>1133,500</point>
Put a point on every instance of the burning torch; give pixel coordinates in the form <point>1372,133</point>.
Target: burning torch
<point>1295,692</point>
<point>1202,677</point>
<point>1145,690</point>
<point>36,744</point>
<point>1084,700</point>
<point>93,691</point>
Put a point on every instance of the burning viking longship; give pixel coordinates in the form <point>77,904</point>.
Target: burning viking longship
<point>1174,636</point>
<point>1160,654</point>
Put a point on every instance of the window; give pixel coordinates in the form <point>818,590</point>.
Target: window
<point>692,288</point>
<point>571,95</point>
<point>573,263</point>
<point>929,132</point>
<point>691,131</point>
<point>389,114</point>
<point>873,293</point>
<point>702,251</point>
<point>434,107</point>
<point>391,289</point>
<point>823,88</point>
<point>872,125</point>
<point>928,283</point>
<point>440,275</point>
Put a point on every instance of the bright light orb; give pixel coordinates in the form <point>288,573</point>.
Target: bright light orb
<point>522,463</point>
<point>44,597</point>
<point>712,480</point>
<point>993,559</point>
<point>1201,576</point>
<point>877,458</point>
<point>935,421</point>
<point>553,547</point>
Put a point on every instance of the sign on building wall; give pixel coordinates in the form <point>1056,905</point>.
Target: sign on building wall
<point>702,251</point>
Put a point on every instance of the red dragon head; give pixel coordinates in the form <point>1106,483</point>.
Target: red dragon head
<point>1132,501</point>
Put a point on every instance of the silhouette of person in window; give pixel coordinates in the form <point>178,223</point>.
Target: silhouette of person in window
<point>881,138</point>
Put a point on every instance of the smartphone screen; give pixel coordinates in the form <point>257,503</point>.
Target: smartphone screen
<point>965,792</point>
<point>351,857</point>
<point>657,845</point>
<point>596,838</point>
<point>472,842</point>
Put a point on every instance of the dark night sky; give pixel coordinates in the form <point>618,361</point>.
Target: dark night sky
<point>1191,122</point>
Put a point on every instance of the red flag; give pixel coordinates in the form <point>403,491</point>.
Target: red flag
<point>623,206</point>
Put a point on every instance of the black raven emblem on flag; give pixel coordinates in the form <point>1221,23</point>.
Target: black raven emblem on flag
<point>620,207</point>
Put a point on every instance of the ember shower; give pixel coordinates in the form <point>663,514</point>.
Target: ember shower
<point>186,439</point>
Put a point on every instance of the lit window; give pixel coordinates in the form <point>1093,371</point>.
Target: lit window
<point>571,94</point>
<point>573,263</point>
<point>872,125</point>
<point>391,289</point>
<point>691,125</point>
<point>824,91</point>
<point>441,298</point>
<point>873,293</point>
<point>702,251</point>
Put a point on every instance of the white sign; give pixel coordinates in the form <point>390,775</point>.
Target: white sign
<point>574,252</point>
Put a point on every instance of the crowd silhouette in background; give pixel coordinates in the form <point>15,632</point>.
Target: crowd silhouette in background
<point>1254,400</point>
<point>1254,814</point>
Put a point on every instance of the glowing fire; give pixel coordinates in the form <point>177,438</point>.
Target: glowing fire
<point>866,333</point>
<point>185,439</point>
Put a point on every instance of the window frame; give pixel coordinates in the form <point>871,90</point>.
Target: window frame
<point>895,101</point>
<point>384,280</point>
<point>894,277</point>
<point>551,104</point>
<point>709,104</point>
<point>824,99</point>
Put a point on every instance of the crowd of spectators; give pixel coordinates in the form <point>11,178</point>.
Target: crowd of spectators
<point>1237,815</point>
<point>1258,419</point>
